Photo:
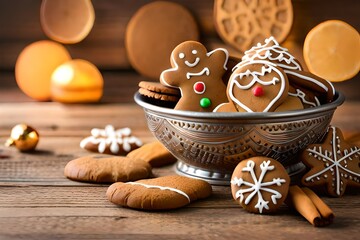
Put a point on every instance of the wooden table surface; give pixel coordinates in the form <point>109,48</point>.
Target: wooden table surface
<point>38,202</point>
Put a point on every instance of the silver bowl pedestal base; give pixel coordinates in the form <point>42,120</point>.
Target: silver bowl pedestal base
<point>220,178</point>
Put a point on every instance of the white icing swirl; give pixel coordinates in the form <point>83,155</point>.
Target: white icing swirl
<point>161,188</point>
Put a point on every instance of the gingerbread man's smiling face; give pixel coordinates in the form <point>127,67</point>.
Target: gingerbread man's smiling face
<point>191,58</point>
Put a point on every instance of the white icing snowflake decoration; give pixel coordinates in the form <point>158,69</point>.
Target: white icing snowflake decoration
<point>112,138</point>
<point>257,186</point>
<point>337,165</point>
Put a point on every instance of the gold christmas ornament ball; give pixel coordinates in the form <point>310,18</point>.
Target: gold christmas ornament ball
<point>23,137</point>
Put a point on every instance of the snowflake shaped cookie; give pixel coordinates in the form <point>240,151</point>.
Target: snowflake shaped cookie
<point>260,184</point>
<point>334,164</point>
<point>111,141</point>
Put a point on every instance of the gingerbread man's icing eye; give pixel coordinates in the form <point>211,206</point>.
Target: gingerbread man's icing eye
<point>181,55</point>
<point>194,52</point>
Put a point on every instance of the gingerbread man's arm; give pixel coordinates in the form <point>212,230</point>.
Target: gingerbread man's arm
<point>219,55</point>
<point>171,77</point>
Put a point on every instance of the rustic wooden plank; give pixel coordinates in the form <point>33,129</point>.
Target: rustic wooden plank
<point>197,223</point>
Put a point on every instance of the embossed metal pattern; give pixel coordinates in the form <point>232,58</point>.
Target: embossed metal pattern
<point>210,145</point>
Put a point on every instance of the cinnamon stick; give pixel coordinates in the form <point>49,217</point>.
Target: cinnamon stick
<point>324,210</point>
<point>302,203</point>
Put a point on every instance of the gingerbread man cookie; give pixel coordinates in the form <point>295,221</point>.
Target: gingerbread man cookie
<point>198,74</point>
<point>333,163</point>
<point>257,86</point>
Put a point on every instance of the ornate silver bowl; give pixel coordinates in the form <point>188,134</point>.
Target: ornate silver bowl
<point>210,145</point>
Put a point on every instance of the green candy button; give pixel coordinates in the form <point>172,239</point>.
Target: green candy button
<point>205,102</point>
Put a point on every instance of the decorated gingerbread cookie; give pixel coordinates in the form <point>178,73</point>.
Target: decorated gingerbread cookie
<point>106,169</point>
<point>244,23</point>
<point>312,90</point>
<point>111,141</point>
<point>320,88</point>
<point>260,184</point>
<point>334,164</point>
<point>198,74</point>
<point>272,51</point>
<point>257,86</point>
<point>306,96</point>
<point>161,193</point>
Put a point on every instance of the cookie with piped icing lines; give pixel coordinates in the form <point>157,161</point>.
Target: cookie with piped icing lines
<point>322,89</point>
<point>106,169</point>
<point>260,184</point>
<point>272,51</point>
<point>111,141</point>
<point>198,73</point>
<point>257,86</point>
<point>160,193</point>
<point>334,164</point>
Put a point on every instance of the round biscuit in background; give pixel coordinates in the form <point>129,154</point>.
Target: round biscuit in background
<point>153,32</point>
<point>67,21</point>
<point>243,24</point>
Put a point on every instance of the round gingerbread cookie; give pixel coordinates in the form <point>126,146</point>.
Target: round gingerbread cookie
<point>334,164</point>
<point>67,21</point>
<point>111,141</point>
<point>260,184</point>
<point>242,24</point>
<point>106,169</point>
<point>153,32</point>
<point>160,193</point>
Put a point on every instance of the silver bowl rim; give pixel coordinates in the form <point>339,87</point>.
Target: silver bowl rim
<point>339,99</point>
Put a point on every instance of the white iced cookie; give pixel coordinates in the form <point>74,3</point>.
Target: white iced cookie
<point>111,141</point>
<point>260,184</point>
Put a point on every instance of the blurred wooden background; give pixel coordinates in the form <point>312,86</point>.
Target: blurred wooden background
<point>20,26</point>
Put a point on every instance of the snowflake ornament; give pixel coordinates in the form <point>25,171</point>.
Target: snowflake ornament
<point>334,163</point>
<point>261,184</point>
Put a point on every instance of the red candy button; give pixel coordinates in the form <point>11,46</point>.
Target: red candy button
<point>199,87</point>
<point>258,91</point>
